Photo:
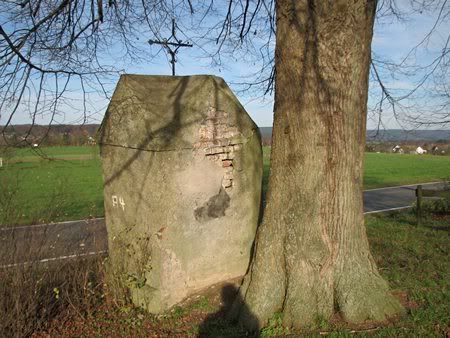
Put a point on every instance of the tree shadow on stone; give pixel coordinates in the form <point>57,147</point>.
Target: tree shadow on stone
<point>223,323</point>
<point>165,134</point>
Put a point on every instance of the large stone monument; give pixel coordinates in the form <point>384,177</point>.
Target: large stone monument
<point>182,168</point>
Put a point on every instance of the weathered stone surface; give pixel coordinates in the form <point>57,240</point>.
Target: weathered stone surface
<point>182,167</point>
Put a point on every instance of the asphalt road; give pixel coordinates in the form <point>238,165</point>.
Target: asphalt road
<point>67,240</point>
<point>394,198</point>
<point>56,241</point>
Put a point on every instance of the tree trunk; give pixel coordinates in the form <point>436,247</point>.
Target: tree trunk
<point>312,256</point>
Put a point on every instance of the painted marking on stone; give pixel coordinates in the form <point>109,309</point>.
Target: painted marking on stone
<point>118,200</point>
<point>122,203</point>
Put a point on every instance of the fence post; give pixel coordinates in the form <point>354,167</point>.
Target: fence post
<point>419,204</point>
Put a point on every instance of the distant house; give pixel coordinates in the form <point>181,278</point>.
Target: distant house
<point>91,141</point>
<point>397,149</point>
<point>420,151</point>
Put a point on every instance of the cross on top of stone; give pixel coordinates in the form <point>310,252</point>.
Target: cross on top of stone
<point>172,44</point>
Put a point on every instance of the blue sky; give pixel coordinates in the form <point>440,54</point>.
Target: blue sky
<point>391,40</point>
<point>394,41</point>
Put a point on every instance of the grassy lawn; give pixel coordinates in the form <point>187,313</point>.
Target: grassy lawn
<point>58,153</point>
<point>33,189</point>
<point>413,259</point>
<point>381,170</point>
<point>416,262</point>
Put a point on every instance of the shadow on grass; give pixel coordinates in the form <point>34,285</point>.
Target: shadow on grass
<point>218,324</point>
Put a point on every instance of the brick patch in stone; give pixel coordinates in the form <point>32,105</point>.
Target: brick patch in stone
<point>216,136</point>
<point>227,163</point>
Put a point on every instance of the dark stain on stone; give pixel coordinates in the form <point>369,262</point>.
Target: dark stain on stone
<point>214,208</point>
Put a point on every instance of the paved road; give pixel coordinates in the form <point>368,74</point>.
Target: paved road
<point>384,199</point>
<point>48,242</point>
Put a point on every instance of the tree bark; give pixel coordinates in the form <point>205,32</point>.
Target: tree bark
<point>312,256</point>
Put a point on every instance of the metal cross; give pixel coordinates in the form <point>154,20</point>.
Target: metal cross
<point>172,44</point>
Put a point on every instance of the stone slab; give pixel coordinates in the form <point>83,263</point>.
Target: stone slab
<point>182,168</point>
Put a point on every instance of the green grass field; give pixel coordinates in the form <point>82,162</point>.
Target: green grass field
<point>36,190</point>
<point>381,170</point>
<point>69,187</point>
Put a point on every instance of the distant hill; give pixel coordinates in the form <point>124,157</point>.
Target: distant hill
<point>391,135</point>
<point>58,134</point>
<point>57,128</point>
<point>413,135</point>
<point>79,134</point>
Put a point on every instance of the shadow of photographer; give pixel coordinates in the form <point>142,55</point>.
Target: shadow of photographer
<point>223,323</point>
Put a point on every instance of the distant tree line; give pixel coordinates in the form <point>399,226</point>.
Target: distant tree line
<point>58,135</point>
